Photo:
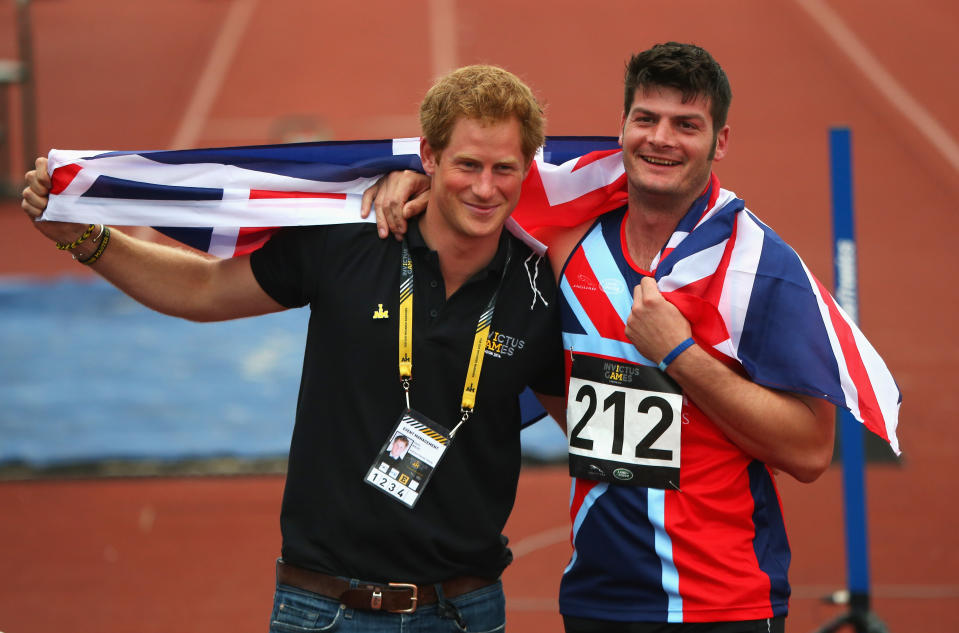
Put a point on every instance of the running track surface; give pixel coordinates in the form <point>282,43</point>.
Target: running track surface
<point>183,554</point>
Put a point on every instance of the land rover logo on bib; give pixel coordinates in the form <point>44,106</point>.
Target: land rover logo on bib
<point>613,286</point>
<point>623,474</point>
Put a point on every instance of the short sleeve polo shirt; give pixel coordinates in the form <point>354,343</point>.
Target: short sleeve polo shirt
<point>351,396</point>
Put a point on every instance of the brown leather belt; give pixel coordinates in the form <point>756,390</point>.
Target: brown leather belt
<point>393,597</point>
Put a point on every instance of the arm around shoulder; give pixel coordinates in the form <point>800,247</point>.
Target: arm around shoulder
<point>394,199</point>
<point>184,283</point>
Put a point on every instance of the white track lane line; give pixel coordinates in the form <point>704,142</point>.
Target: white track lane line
<point>217,66</point>
<point>207,87</point>
<point>540,540</point>
<point>900,98</point>
<point>442,17</point>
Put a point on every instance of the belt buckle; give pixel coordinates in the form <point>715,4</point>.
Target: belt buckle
<point>413,598</point>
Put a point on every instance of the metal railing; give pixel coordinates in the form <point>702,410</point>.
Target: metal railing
<point>18,74</point>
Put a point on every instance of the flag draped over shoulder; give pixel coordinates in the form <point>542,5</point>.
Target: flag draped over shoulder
<point>750,298</point>
<point>747,294</point>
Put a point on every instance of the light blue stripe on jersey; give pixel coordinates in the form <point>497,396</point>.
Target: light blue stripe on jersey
<point>592,342</point>
<point>605,268</point>
<point>607,271</point>
<point>577,309</point>
<point>588,502</point>
<point>656,504</point>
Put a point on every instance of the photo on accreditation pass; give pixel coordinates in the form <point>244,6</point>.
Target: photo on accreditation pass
<point>407,459</point>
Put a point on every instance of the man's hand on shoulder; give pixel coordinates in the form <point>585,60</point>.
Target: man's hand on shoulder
<point>395,198</point>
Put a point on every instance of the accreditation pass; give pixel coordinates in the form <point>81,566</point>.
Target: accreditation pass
<point>405,464</point>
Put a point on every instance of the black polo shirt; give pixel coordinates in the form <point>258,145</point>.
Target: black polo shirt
<point>350,399</point>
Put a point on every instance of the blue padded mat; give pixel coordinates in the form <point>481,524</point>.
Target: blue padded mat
<point>87,374</point>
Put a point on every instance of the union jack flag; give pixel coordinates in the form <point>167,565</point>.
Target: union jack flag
<point>217,200</point>
<point>747,294</point>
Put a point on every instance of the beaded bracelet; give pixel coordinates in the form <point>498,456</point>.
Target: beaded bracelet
<point>92,241</point>
<point>670,357</point>
<point>97,253</point>
<point>80,240</point>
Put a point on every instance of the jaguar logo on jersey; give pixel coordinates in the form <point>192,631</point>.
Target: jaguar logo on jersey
<point>499,345</point>
<point>595,471</point>
<point>583,282</point>
<point>617,373</point>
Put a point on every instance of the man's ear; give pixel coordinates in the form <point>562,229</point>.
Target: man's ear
<point>428,157</point>
<point>622,128</point>
<point>722,144</point>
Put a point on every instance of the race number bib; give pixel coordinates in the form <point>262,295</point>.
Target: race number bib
<point>623,423</point>
<point>406,462</point>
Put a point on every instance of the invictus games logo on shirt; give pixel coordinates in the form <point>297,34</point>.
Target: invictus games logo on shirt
<point>499,345</point>
<point>619,374</point>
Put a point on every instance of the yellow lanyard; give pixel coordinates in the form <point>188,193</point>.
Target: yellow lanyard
<point>479,339</point>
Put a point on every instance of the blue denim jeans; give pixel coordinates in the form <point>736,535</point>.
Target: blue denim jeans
<point>299,611</point>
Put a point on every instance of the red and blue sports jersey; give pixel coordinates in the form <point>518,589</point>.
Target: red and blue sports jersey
<point>710,547</point>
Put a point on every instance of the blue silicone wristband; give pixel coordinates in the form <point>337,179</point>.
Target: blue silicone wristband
<point>670,357</point>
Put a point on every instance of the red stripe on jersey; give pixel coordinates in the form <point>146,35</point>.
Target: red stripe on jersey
<point>63,176</point>
<point>264,194</point>
<point>721,573</point>
<point>581,278</point>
